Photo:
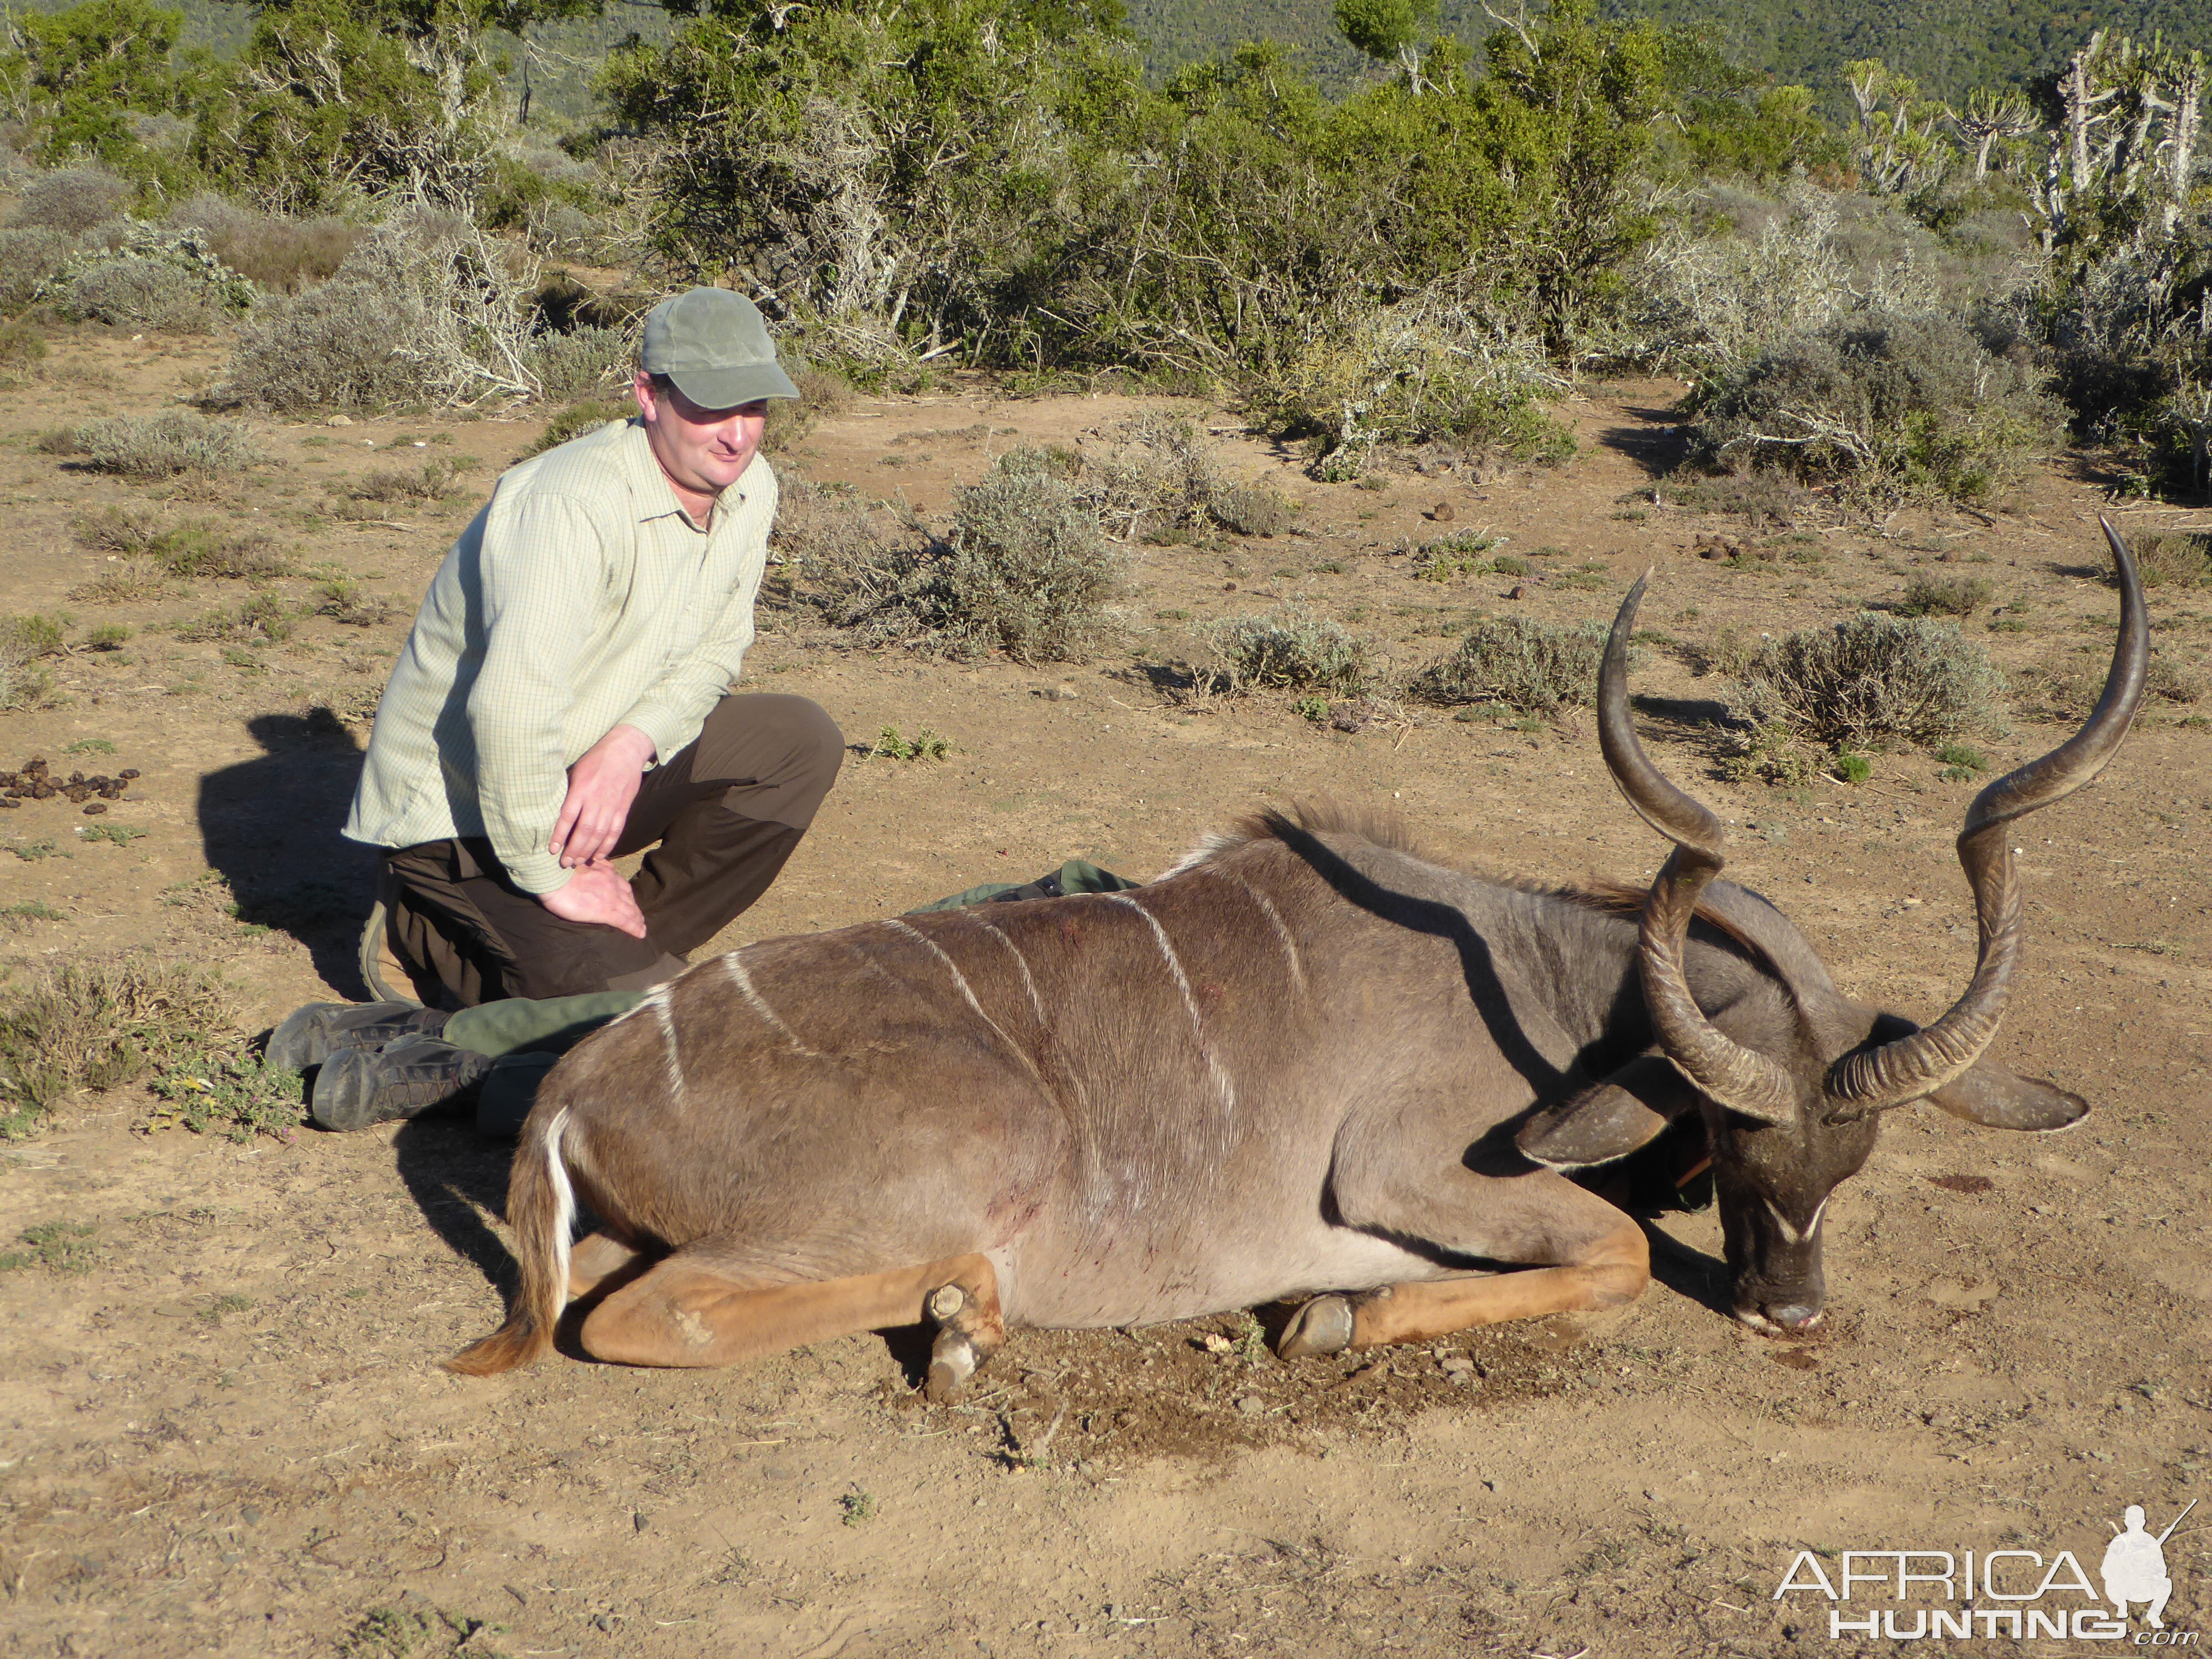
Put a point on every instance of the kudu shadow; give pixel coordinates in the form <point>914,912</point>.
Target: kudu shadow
<point>455,1177</point>
<point>269,826</point>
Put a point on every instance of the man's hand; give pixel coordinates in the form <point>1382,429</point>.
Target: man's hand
<point>597,892</point>
<point>601,785</point>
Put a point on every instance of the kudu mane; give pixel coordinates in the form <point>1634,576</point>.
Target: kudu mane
<point>1388,829</point>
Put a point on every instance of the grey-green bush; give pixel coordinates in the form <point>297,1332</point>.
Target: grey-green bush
<point>1871,679</point>
<point>1892,404</point>
<point>1031,572</point>
<point>278,254</point>
<point>1291,649</point>
<point>28,259</point>
<point>579,363</point>
<point>70,200</point>
<point>162,446</point>
<point>1534,667</point>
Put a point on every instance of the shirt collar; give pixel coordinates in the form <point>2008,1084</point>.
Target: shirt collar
<point>656,496</point>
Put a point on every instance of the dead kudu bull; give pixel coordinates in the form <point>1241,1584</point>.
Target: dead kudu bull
<point>1306,1062</point>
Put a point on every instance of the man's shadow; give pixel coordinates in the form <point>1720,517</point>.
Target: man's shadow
<point>270,827</point>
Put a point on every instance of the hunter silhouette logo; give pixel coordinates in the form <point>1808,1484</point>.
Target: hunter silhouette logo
<point>1935,1595</point>
<point>2134,1566</point>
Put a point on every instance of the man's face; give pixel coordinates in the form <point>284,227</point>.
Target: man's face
<point>704,450</point>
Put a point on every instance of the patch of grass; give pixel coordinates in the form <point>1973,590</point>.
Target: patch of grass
<point>25,684</point>
<point>214,1312</point>
<point>344,600</point>
<point>105,636</point>
<point>95,1026</point>
<point>122,835</point>
<point>437,481</point>
<point>1961,761</point>
<point>414,1631</point>
<point>155,447</point>
<point>1852,767</point>
<point>859,1506</point>
<point>924,744</point>
<point>1929,595</point>
<point>1462,553</point>
<point>1313,709</point>
<point>1771,754</point>
<point>30,910</point>
<point>31,852</point>
<point>1531,667</point>
<point>2173,559</point>
<point>188,547</point>
<point>1871,679</point>
<point>227,1092</point>
<point>260,620</point>
<point>1291,649</point>
<point>59,1247</point>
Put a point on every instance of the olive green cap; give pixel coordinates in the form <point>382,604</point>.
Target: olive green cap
<point>715,345</point>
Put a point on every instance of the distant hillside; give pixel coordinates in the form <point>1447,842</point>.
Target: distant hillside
<point>1950,46</point>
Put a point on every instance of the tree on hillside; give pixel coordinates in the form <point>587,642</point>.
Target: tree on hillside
<point>1389,31</point>
<point>76,77</point>
<point>332,97</point>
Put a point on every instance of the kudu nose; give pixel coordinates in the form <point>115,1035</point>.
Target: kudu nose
<point>1795,1317</point>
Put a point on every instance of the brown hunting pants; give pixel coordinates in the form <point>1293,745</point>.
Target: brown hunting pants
<point>727,812</point>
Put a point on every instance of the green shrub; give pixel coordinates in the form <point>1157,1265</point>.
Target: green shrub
<point>149,276</point>
<point>24,683</point>
<point>1290,649</point>
<point>1891,404</point>
<point>187,548</point>
<point>1852,768</point>
<point>1534,667</point>
<point>1770,754</point>
<point>1928,595</point>
<point>924,744</point>
<point>1253,509</point>
<point>1462,553</point>
<point>162,446</point>
<point>1871,679</point>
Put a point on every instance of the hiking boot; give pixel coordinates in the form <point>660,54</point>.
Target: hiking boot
<point>407,1076</point>
<point>314,1033</point>
<point>381,970</point>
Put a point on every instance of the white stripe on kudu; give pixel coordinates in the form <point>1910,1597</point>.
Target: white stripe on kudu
<point>1275,921</point>
<point>1189,1002</point>
<point>961,979</point>
<point>743,981</point>
<point>1022,961</point>
<point>659,1001</point>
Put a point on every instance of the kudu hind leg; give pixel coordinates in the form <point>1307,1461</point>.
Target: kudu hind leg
<point>970,1325</point>
<point>686,1312</point>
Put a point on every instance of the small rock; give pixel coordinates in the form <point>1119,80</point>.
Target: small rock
<point>1214,1342</point>
<point>339,420</point>
<point>1229,587</point>
<point>1064,692</point>
<point>1520,590</point>
<point>1250,1404</point>
<point>639,1521</point>
<point>1441,512</point>
<point>1456,1361</point>
<point>94,809</point>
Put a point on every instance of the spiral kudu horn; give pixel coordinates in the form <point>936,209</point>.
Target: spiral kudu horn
<point>1875,1080</point>
<point>1739,1079</point>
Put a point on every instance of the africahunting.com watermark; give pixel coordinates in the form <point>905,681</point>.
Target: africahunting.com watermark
<point>1905,1596</point>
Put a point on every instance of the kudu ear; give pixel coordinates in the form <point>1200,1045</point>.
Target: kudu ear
<point>1995,1098</point>
<point>1608,1120</point>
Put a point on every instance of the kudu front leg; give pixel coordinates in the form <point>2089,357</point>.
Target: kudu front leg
<point>1600,1256</point>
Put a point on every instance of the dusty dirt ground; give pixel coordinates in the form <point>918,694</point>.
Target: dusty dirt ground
<point>229,1436</point>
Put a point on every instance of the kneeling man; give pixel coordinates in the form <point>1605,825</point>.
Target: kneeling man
<point>564,700</point>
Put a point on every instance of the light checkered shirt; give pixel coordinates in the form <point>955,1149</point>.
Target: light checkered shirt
<point>582,598</point>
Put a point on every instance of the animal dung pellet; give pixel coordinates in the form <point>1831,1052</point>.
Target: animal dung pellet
<point>128,773</point>
<point>94,810</point>
<point>10,801</point>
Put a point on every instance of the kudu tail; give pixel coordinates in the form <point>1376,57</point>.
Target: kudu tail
<point>541,1207</point>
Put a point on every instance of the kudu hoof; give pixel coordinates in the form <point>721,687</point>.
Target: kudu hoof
<point>1323,1326</point>
<point>967,1335</point>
